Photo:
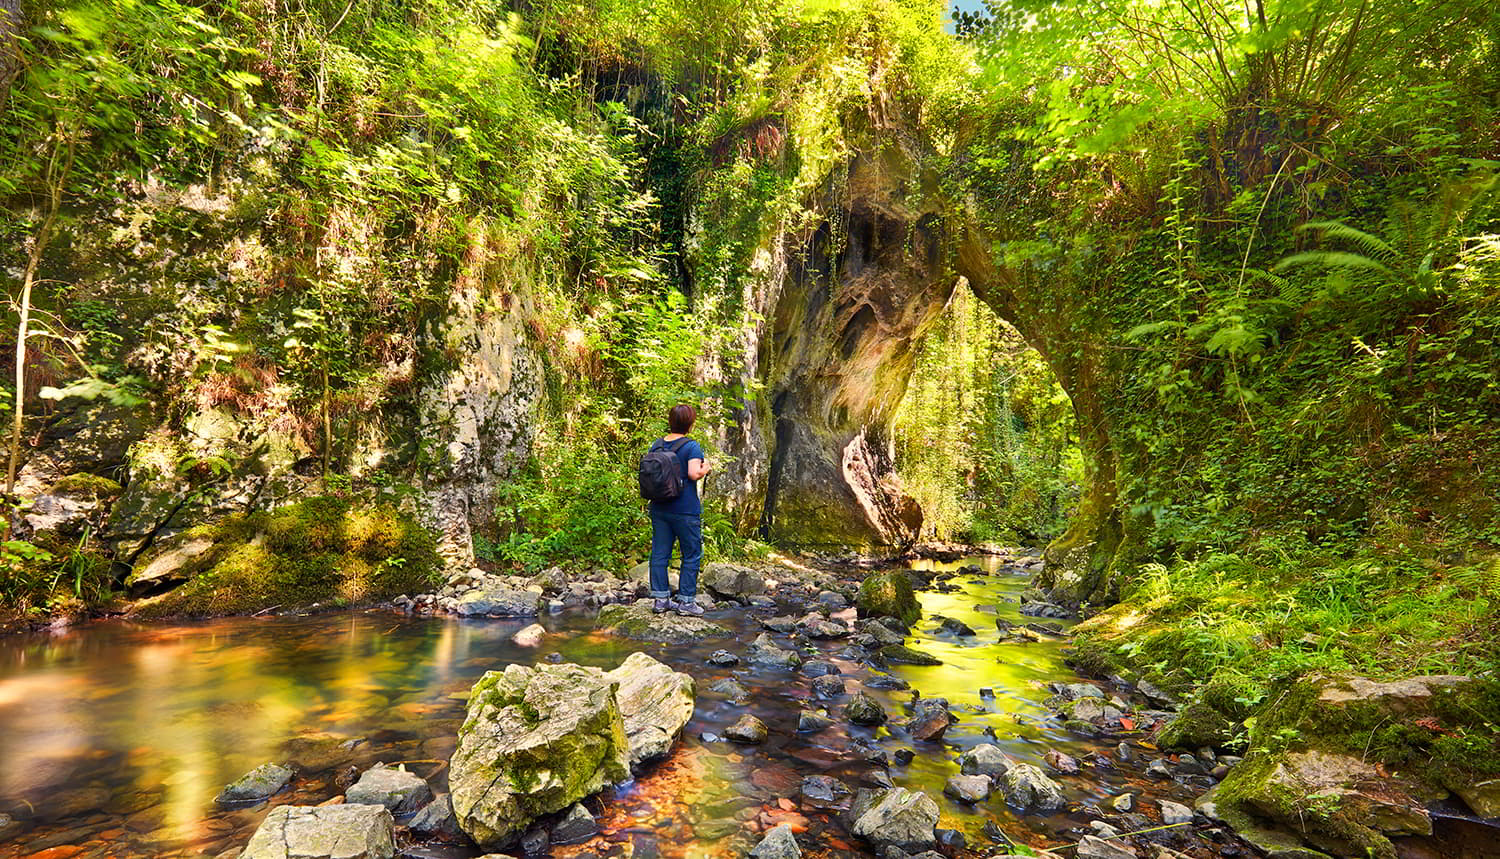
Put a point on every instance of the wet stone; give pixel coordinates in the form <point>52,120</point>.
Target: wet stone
<point>1094,847</point>
<point>984,759</point>
<point>828,686</point>
<point>263,782</point>
<point>731,689</point>
<point>885,682</point>
<point>1174,812</point>
<point>810,722</point>
<point>968,788</point>
<point>748,729</point>
<point>1123,803</point>
<point>576,825</point>
<point>436,819</point>
<point>824,788</point>
<point>900,654</point>
<point>1026,787</point>
<point>905,756</point>
<point>1060,762</point>
<point>324,832</point>
<point>930,719</point>
<point>394,789</point>
<point>723,659</point>
<point>779,843</point>
<point>864,710</point>
<point>819,668</point>
<point>765,651</point>
<point>954,626</point>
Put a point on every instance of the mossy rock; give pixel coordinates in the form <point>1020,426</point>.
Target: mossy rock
<point>888,593</point>
<point>320,550</point>
<point>1197,725</point>
<point>900,654</point>
<point>637,621</point>
<point>83,485</point>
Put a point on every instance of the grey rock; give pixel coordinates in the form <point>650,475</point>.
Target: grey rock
<point>809,722</point>
<point>394,789</point>
<point>655,703</point>
<point>263,782</point>
<point>748,729</point>
<point>984,759</point>
<point>530,636</point>
<point>1060,762</point>
<point>1159,768</point>
<point>1155,694</point>
<point>535,741</point>
<point>824,788</point>
<point>731,689</point>
<point>954,626</point>
<point>779,843</point>
<point>324,832</point>
<point>576,825</point>
<point>638,622</point>
<point>864,710</point>
<point>723,659</point>
<point>1073,691</point>
<point>498,599</point>
<point>832,600</point>
<point>731,581</point>
<point>1174,812</point>
<point>436,819</point>
<point>819,668</point>
<point>1026,787</point>
<point>1123,803</point>
<point>765,651</point>
<point>968,788</point>
<point>828,686</point>
<point>929,719</point>
<point>1094,847</point>
<point>895,817</point>
<point>881,633</point>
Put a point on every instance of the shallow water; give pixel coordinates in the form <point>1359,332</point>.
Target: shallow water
<point>115,737</point>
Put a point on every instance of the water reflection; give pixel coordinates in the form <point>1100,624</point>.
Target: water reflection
<point>116,737</point>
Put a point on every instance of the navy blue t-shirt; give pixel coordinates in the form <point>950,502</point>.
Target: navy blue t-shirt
<point>688,501</point>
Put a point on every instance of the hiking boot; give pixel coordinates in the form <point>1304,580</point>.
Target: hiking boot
<point>661,606</point>
<point>687,608</point>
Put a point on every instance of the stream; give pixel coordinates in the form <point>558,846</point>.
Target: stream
<point>115,737</point>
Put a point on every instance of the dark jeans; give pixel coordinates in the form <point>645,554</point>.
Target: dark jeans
<point>687,531</point>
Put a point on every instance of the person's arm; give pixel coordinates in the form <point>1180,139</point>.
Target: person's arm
<point>697,468</point>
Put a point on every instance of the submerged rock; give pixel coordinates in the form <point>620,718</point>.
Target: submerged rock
<point>895,817</point>
<point>531,636</point>
<point>655,703</point>
<point>824,788</point>
<point>261,783</point>
<point>637,621</point>
<point>809,722</point>
<point>1061,762</point>
<point>394,789</point>
<point>324,832</point>
<point>535,741</point>
<point>731,689</point>
<point>828,686</point>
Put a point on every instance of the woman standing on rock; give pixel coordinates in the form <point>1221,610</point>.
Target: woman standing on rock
<point>669,476</point>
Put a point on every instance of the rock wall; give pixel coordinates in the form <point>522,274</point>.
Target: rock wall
<point>843,305</point>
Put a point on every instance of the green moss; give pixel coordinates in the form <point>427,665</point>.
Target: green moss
<point>903,655</point>
<point>321,550</point>
<point>1198,724</point>
<point>85,484</point>
<point>888,593</point>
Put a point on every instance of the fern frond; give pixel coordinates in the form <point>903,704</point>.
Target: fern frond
<point>1367,243</point>
<point>1334,259</point>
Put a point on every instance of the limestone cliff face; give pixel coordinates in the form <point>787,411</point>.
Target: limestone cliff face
<point>477,411</point>
<point>843,304</point>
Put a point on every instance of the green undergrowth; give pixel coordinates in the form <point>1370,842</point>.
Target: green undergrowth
<point>322,550</point>
<point>1247,637</point>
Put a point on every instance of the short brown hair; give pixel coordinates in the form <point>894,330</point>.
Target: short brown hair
<point>680,418</point>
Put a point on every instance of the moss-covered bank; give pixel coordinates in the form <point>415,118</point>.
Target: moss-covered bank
<point>322,550</point>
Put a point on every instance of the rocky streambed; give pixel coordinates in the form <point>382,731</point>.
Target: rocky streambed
<point>783,722</point>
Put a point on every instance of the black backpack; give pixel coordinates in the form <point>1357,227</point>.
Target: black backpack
<point>660,473</point>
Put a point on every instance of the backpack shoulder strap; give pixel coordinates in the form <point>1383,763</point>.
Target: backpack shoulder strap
<point>678,444</point>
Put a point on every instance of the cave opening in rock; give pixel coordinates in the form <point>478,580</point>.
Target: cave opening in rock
<point>984,437</point>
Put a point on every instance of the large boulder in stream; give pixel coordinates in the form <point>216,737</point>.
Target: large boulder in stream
<point>324,832</point>
<point>888,593</point>
<point>655,703</point>
<point>732,581</point>
<point>895,817</point>
<point>637,621</point>
<point>495,598</point>
<point>535,741</point>
<point>392,788</point>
